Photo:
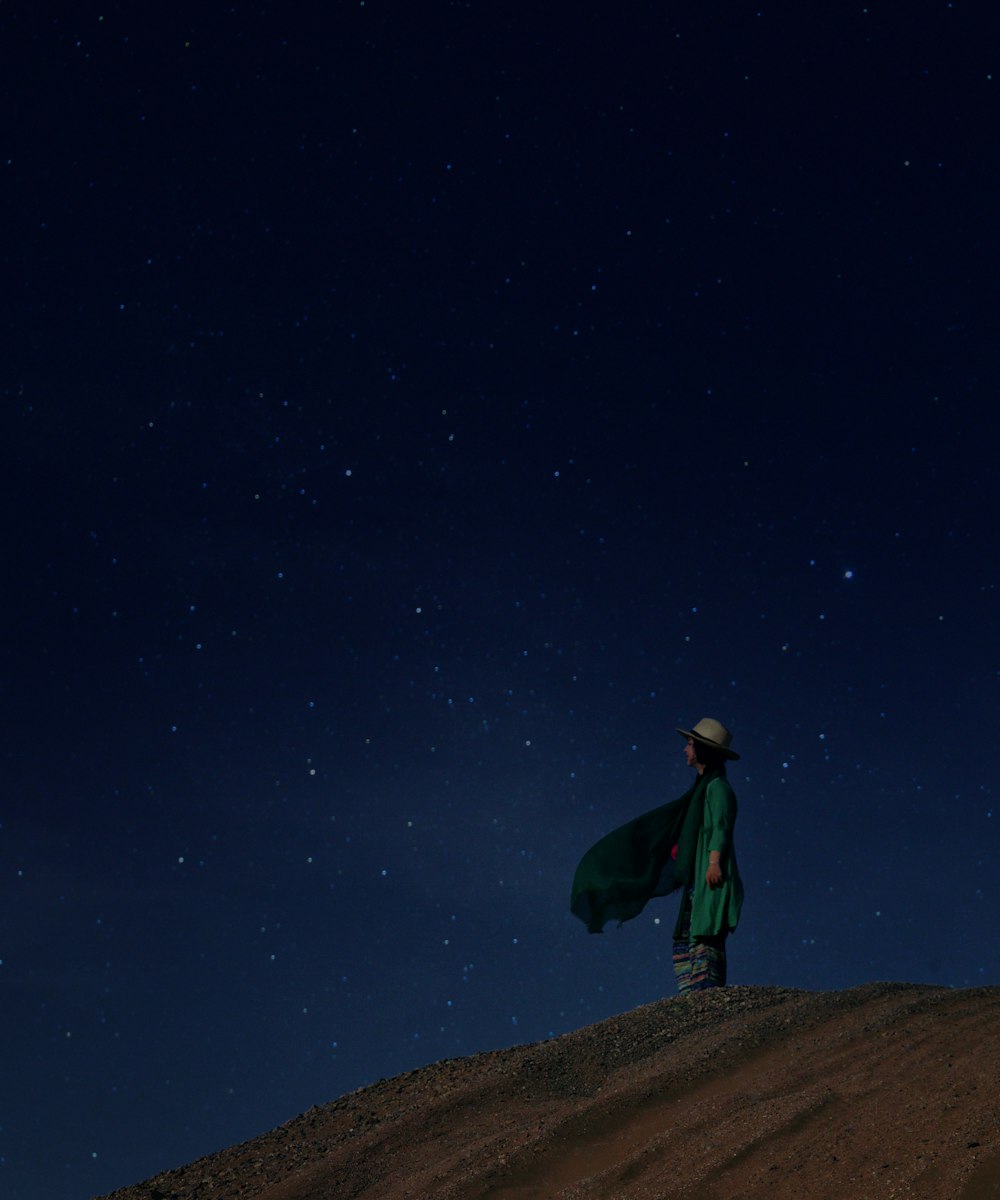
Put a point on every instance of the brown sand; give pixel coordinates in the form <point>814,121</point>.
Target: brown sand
<point>887,1090</point>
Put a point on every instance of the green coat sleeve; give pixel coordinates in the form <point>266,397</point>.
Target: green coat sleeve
<point>720,816</point>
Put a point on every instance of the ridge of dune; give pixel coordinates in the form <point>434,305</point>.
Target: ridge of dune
<point>885,1090</point>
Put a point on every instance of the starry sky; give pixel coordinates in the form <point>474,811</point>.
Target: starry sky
<point>411,414</point>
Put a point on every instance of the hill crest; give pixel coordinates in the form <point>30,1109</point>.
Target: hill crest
<point>884,1090</point>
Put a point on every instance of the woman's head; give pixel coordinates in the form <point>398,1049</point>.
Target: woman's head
<point>705,757</point>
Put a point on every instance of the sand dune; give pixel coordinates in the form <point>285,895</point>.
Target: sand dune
<point>887,1090</point>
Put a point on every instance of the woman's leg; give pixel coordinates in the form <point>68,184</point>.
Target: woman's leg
<point>707,963</point>
<point>682,948</point>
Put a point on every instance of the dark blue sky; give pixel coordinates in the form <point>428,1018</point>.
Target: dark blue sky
<point>411,414</point>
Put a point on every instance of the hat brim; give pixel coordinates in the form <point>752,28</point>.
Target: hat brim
<point>730,754</point>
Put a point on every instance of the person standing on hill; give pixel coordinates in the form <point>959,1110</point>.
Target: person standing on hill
<point>684,845</point>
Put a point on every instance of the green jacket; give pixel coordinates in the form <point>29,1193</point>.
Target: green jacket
<point>659,852</point>
<point>716,910</point>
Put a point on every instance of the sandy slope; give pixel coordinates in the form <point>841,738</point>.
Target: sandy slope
<point>887,1090</point>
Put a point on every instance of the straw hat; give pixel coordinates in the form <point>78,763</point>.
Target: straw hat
<point>713,734</point>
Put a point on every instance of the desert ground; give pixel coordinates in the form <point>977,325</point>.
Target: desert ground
<point>885,1090</point>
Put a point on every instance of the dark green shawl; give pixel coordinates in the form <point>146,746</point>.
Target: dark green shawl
<point>633,863</point>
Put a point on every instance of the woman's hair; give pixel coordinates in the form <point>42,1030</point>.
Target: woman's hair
<point>708,757</point>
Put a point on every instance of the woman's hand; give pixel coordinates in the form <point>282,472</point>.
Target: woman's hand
<point>713,876</point>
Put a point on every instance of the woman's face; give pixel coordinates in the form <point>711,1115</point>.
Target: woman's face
<point>690,754</point>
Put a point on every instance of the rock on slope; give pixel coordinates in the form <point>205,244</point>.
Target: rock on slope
<point>887,1090</point>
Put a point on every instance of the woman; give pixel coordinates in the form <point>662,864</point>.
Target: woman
<point>685,844</point>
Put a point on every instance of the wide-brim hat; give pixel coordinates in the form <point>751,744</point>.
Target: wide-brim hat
<point>713,734</point>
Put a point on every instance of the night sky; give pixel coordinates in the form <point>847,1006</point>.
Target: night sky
<point>411,413</point>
